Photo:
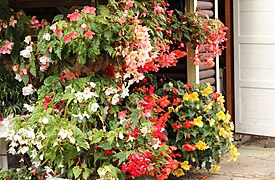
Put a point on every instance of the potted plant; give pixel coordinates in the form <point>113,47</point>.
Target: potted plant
<point>96,115</point>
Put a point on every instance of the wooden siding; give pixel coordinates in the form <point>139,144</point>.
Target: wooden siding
<point>207,74</point>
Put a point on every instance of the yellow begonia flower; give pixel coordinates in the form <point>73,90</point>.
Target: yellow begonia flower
<point>208,107</point>
<point>178,172</point>
<point>220,115</point>
<point>198,122</point>
<point>227,116</point>
<point>215,168</point>
<point>231,126</point>
<point>211,122</point>
<point>194,96</point>
<point>185,165</point>
<point>207,91</point>
<point>186,97</point>
<point>170,109</point>
<point>221,99</point>
<point>201,146</point>
<point>234,152</point>
<point>223,133</point>
<point>233,149</point>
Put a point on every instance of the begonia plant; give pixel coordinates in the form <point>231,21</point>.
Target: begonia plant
<point>97,116</point>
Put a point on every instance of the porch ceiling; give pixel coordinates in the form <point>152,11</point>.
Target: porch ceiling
<point>22,4</point>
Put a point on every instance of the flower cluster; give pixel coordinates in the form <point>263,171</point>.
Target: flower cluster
<point>97,116</point>
<point>208,37</point>
<point>200,126</point>
<point>6,48</point>
<point>95,120</point>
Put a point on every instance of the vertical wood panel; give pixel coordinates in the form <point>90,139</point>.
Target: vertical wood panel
<point>229,59</point>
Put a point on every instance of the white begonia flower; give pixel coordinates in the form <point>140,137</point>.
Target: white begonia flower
<point>156,144</point>
<point>45,120</point>
<point>27,90</point>
<point>125,91</point>
<point>53,27</point>
<point>63,133</point>
<point>29,48</point>
<point>23,149</point>
<point>41,157</point>
<point>44,60</point>
<point>110,91</point>
<point>30,134</point>
<point>28,39</point>
<point>17,138</point>
<point>87,94</point>
<point>92,84</point>
<point>131,138</point>
<point>39,145</point>
<point>12,151</point>
<point>115,99</point>
<point>34,153</point>
<point>36,164</point>
<point>94,107</point>
<point>79,96</point>
<point>47,36</point>
<point>25,53</point>
<point>81,116</point>
<point>18,77</point>
<point>120,135</point>
<point>28,107</point>
<point>145,130</point>
<point>72,140</point>
<point>13,144</point>
<point>42,136</point>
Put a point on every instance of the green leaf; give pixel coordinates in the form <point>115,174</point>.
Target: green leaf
<point>81,59</point>
<point>97,137</point>
<point>122,156</point>
<point>109,49</point>
<point>111,136</point>
<point>103,10</point>
<point>106,146</point>
<point>179,136</point>
<point>25,79</point>
<point>77,171</point>
<point>86,174</point>
<point>58,17</point>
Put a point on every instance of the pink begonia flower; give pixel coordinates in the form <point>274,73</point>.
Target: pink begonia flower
<point>67,39</point>
<point>43,67</point>
<point>129,5</point>
<point>5,25</point>
<point>28,39</point>
<point>89,10</point>
<point>74,16</point>
<point>12,22</point>
<point>170,13</point>
<point>15,68</point>
<point>24,70</point>
<point>34,23</point>
<point>158,10</point>
<point>6,49</point>
<point>73,34</point>
<point>89,34</point>
<point>59,32</point>
<point>84,27</point>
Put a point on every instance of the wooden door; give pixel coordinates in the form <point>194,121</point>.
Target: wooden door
<point>254,61</point>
